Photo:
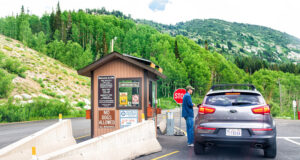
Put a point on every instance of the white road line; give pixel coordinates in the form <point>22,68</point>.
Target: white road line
<point>292,141</point>
<point>288,137</point>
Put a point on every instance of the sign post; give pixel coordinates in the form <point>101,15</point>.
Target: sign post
<point>178,97</point>
<point>294,108</point>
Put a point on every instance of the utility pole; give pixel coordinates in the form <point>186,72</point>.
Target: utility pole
<point>112,43</point>
<point>280,94</point>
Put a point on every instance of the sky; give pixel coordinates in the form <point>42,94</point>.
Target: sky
<point>282,15</point>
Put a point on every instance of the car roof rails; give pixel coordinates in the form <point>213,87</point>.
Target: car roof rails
<point>226,86</point>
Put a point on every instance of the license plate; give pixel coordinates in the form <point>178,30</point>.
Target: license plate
<point>233,132</point>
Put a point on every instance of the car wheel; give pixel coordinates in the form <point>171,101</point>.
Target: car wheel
<point>198,148</point>
<point>271,150</point>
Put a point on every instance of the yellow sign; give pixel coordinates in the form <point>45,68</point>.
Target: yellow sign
<point>123,99</point>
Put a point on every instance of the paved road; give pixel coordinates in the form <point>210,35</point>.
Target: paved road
<point>10,133</point>
<point>175,147</point>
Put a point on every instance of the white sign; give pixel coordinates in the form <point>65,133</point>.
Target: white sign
<point>294,104</point>
<point>128,118</point>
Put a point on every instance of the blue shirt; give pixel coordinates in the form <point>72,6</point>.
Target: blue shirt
<point>187,106</point>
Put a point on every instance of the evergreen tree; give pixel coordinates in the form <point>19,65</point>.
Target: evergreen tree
<point>176,51</point>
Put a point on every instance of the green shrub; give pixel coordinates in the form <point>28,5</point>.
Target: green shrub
<point>275,109</point>
<point>41,107</point>
<point>7,48</point>
<point>81,104</point>
<point>18,45</point>
<point>8,39</point>
<point>49,92</point>
<point>6,85</point>
<point>14,66</point>
<point>48,107</point>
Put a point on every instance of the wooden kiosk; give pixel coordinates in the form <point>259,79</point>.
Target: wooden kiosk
<point>123,88</point>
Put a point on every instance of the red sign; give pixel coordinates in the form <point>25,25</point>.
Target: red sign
<point>178,95</point>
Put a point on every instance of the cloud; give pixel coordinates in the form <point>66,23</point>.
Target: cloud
<point>158,5</point>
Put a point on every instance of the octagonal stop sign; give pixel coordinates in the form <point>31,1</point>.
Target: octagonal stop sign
<point>178,95</point>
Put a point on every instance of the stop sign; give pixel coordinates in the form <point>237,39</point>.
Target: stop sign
<point>178,95</point>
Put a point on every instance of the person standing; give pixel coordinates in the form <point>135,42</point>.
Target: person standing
<point>188,114</point>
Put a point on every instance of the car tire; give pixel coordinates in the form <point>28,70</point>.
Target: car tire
<point>271,150</point>
<point>198,148</point>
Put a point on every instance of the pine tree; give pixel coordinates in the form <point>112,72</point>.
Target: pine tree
<point>57,19</point>
<point>206,45</point>
<point>176,51</point>
<point>52,24</point>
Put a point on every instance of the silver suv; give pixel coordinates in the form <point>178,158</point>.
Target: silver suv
<point>230,115</point>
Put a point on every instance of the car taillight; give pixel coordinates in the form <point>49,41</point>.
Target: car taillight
<point>262,129</point>
<point>261,110</point>
<point>205,130</point>
<point>206,110</point>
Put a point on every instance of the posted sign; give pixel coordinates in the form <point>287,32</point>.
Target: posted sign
<point>178,95</point>
<point>107,119</point>
<point>106,88</point>
<point>123,99</point>
<point>294,104</point>
<point>128,118</point>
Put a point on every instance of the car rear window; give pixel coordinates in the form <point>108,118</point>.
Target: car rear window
<point>234,99</point>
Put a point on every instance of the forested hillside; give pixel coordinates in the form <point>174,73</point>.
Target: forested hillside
<point>236,39</point>
<point>79,38</point>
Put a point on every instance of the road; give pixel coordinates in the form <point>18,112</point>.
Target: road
<point>174,147</point>
<point>12,132</point>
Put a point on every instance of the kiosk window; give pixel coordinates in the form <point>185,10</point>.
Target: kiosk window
<point>129,93</point>
<point>152,92</point>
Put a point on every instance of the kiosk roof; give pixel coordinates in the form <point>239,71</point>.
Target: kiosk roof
<point>139,62</point>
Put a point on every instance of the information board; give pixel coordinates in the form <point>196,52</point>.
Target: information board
<point>107,119</point>
<point>128,118</point>
<point>106,91</point>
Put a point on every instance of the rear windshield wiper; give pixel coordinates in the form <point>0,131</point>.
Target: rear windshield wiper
<point>240,103</point>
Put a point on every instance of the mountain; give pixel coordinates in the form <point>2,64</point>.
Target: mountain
<point>235,39</point>
<point>35,74</point>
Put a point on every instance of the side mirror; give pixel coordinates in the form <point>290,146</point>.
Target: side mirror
<point>199,105</point>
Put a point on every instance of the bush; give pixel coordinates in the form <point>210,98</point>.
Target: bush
<point>14,66</point>
<point>49,92</point>
<point>8,39</point>
<point>7,48</point>
<point>5,83</point>
<point>275,109</point>
<point>80,104</point>
<point>41,107</point>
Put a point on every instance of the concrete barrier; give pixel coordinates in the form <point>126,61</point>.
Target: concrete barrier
<point>162,124</point>
<point>50,139</point>
<point>126,143</point>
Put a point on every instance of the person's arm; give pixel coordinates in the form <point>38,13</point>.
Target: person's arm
<point>190,103</point>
